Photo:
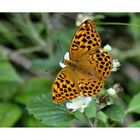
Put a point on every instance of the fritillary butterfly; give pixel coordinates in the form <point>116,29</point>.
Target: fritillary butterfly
<point>88,67</point>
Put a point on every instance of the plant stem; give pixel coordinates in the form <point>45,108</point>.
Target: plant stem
<point>88,120</point>
<point>22,60</point>
<point>30,50</point>
<point>96,115</point>
<point>117,23</point>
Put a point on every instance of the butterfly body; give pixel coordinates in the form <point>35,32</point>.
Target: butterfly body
<point>88,66</point>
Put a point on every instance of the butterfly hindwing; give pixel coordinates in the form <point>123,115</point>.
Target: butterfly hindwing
<point>90,87</point>
<point>103,63</point>
<point>88,84</point>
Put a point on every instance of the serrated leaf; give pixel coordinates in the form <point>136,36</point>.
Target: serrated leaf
<point>8,73</point>
<point>33,87</point>
<point>135,124</point>
<point>9,114</point>
<point>134,105</point>
<point>49,113</point>
<point>114,112</point>
<point>30,121</point>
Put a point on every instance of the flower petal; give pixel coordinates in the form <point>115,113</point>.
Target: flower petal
<point>62,65</point>
<point>107,48</point>
<point>79,103</point>
<point>66,56</point>
<point>116,64</point>
<point>111,92</point>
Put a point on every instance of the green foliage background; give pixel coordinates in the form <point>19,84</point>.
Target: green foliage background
<point>31,43</point>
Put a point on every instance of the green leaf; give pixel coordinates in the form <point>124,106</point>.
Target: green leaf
<point>91,109</point>
<point>46,64</point>
<point>8,34</point>
<point>135,124</point>
<point>133,87</point>
<point>114,112</point>
<point>8,73</point>
<point>33,87</point>
<point>9,80</point>
<point>102,117</point>
<point>9,114</point>
<point>134,20</point>
<point>134,105</point>
<point>8,89</point>
<point>64,36</point>
<point>118,14</point>
<point>79,116</point>
<point>3,55</point>
<point>49,113</point>
<point>30,121</point>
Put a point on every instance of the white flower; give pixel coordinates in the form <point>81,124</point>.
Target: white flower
<point>111,92</point>
<point>107,48</point>
<point>118,88</point>
<point>62,65</point>
<point>82,17</point>
<point>79,103</point>
<point>115,65</point>
<point>115,90</point>
<point>66,56</point>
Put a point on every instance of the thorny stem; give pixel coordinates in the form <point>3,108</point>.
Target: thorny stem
<point>88,120</point>
<point>96,115</point>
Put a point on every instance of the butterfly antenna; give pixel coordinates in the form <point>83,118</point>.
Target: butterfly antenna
<point>51,68</point>
<point>59,46</point>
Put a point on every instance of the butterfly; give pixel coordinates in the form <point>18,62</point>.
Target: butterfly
<point>88,67</point>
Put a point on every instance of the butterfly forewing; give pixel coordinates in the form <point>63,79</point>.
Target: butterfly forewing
<point>85,40</point>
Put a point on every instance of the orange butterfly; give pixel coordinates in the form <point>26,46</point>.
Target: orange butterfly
<point>88,67</point>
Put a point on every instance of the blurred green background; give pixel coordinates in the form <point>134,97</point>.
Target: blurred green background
<point>31,43</point>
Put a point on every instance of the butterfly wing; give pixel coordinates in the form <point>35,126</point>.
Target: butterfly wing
<point>71,83</point>
<point>93,66</point>
<point>88,84</point>
<point>85,39</point>
<point>99,64</point>
<point>86,52</point>
<point>65,87</point>
<point>103,63</point>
